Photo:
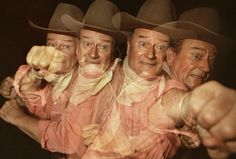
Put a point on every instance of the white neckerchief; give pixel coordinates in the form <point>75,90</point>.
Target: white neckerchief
<point>166,68</point>
<point>85,87</point>
<point>134,88</point>
<point>61,84</point>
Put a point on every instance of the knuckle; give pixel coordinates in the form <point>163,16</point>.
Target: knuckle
<point>206,120</point>
<point>228,131</point>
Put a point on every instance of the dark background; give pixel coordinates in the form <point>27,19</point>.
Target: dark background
<point>17,37</point>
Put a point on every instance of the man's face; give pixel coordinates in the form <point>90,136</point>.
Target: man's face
<point>146,52</point>
<point>192,65</point>
<point>64,43</point>
<point>95,53</point>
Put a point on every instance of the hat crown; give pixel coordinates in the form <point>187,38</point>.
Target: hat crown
<point>157,11</point>
<point>64,8</point>
<point>208,18</point>
<point>100,14</point>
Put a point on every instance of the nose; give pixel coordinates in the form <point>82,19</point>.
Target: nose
<point>205,66</point>
<point>94,52</point>
<point>56,46</point>
<point>150,53</point>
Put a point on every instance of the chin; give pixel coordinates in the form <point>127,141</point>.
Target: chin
<point>147,76</point>
<point>92,71</point>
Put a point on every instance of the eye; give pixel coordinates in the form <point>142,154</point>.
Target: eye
<point>161,47</point>
<point>51,44</point>
<point>143,44</point>
<point>87,44</point>
<point>197,56</point>
<point>64,46</point>
<point>103,47</point>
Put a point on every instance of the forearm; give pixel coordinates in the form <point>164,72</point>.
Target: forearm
<point>29,125</point>
<point>30,82</point>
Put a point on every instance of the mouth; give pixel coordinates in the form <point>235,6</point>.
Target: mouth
<point>92,61</point>
<point>154,63</point>
<point>202,77</point>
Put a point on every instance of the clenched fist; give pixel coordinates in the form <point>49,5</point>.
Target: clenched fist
<point>49,61</point>
<point>7,89</point>
<point>11,112</point>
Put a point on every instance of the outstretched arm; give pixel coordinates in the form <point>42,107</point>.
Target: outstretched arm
<point>15,115</point>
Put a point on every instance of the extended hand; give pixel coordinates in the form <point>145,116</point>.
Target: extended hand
<point>214,108</point>
<point>90,132</point>
<point>7,89</point>
<point>49,60</point>
<point>11,112</point>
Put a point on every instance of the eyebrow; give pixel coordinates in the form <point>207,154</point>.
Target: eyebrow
<point>65,40</point>
<point>144,36</point>
<point>197,48</point>
<point>105,40</point>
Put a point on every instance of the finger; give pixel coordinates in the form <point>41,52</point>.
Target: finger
<point>89,141</point>
<point>207,139</point>
<point>216,148</point>
<point>219,153</point>
<point>34,56</point>
<point>89,134</point>
<point>210,114</point>
<point>46,58</point>
<point>91,126</point>
<point>225,129</point>
<point>7,107</point>
<point>231,145</point>
<point>31,54</point>
<point>57,63</point>
<point>9,80</point>
<point>202,95</point>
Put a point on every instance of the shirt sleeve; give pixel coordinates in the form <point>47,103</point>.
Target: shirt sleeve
<point>36,100</point>
<point>65,135</point>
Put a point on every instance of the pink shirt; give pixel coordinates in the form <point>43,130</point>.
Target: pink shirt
<point>40,102</point>
<point>60,121</point>
<point>125,131</point>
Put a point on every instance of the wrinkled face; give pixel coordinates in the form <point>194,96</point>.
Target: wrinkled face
<point>64,43</point>
<point>95,52</point>
<point>194,62</point>
<point>146,52</point>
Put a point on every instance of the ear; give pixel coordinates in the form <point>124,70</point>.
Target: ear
<point>77,47</point>
<point>128,46</point>
<point>170,56</point>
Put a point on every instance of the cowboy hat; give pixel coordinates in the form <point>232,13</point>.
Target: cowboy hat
<point>98,18</point>
<point>205,22</point>
<point>55,25</point>
<point>153,14</point>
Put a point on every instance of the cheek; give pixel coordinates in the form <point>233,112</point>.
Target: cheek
<point>161,57</point>
<point>105,58</point>
<point>83,52</point>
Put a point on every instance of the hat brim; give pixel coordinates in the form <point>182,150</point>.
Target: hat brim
<point>127,22</point>
<point>175,33</point>
<point>50,30</point>
<point>202,33</point>
<point>76,25</point>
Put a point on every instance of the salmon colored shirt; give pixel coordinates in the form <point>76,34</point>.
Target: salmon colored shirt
<point>125,131</point>
<point>61,122</point>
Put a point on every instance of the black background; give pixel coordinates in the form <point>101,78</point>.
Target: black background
<point>17,37</point>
